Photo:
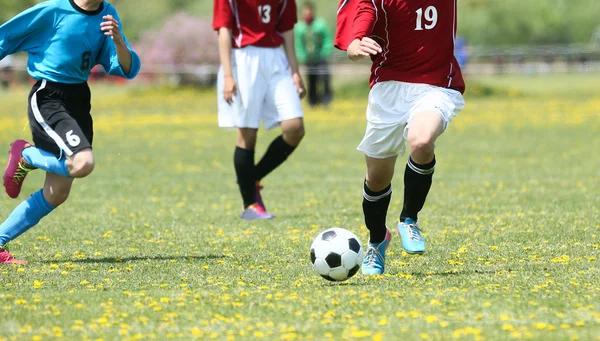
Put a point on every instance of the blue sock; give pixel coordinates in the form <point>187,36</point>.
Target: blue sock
<point>25,216</point>
<point>46,161</point>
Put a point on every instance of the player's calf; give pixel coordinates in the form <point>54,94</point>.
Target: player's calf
<point>57,189</point>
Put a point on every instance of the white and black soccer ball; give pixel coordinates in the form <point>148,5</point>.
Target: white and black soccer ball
<point>336,254</point>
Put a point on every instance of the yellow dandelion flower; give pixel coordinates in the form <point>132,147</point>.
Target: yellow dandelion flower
<point>430,318</point>
<point>360,333</point>
<point>377,337</point>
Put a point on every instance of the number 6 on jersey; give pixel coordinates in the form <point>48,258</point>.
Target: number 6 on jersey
<point>431,16</point>
<point>73,139</point>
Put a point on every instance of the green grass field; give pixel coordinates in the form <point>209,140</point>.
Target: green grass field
<point>151,246</point>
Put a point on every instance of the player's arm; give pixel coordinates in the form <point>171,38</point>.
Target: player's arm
<point>288,17</point>
<point>117,57</point>
<point>229,88</point>
<point>362,46</point>
<point>26,30</point>
<point>222,23</point>
<point>290,52</point>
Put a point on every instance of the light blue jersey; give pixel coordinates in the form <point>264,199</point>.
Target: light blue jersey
<point>64,42</point>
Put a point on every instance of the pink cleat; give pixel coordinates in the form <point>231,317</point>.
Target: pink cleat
<point>7,258</point>
<point>256,212</point>
<point>16,169</point>
<point>258,196</point>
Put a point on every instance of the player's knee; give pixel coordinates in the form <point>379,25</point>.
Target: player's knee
<point>377,185</point>
<point>82,167</point>
<point>421,145</point>
<point>294,134</point>
<point>377,180</point>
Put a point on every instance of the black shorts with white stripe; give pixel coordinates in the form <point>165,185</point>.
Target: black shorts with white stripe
<point>59,117</point>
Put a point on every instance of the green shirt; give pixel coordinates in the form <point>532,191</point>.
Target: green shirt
<point>314,43</point>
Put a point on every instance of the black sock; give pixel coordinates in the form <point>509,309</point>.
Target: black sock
<point>243,160</point>
<point>375,207</point>
<point>277,153</point>
<point>417,182</point>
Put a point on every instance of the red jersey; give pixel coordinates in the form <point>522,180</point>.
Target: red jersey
<point>417,38</point>
<point>255,22</point>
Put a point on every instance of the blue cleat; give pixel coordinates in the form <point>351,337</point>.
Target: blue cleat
<point>410,233</point>
<point>374,261</point>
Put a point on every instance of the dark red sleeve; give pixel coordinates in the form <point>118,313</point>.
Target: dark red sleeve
<point>222,15</point>
<point>345,21</point>
<point>288,15</point>
<point>364,21</point>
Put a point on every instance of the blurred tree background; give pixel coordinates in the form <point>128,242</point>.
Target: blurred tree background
<point>482,22</point>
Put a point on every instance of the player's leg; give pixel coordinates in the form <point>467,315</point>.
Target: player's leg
<point>244,115</point>
<point>377,194</point>
<point>424,129</point>
<point>245,170</point>
<point>382,143</point>
<point>282,108</point>
<point>29,213</point>
<point>281,147</point>
<point>243,160</point>
<point>431,115</point>
<point>23,158</point>
<point>279,150</point>
<point>62,132</point>
<point>79,165</point>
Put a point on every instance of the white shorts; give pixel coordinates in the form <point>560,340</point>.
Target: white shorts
<point>393,105</point>
<point>265,90</point>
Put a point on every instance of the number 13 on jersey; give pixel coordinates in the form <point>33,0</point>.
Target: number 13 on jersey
<point>265,13</point>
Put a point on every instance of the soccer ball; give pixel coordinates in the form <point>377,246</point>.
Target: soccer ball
<point>336,254</point>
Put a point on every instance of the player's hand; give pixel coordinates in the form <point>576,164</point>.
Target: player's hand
<point>365,47</point>
<point>110,27</point>
<point>229,89</point>
<point>299,85</point>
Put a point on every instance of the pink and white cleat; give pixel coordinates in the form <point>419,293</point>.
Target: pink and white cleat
<point>256,212</point>
<point>16,169</point>
<point>7,258</point>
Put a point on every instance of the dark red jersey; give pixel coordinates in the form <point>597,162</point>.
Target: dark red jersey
<point>417,37</point>
<point>255,22</point>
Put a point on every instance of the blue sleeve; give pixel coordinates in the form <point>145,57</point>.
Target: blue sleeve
<point>27,30</point>
<point>110,60</point>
